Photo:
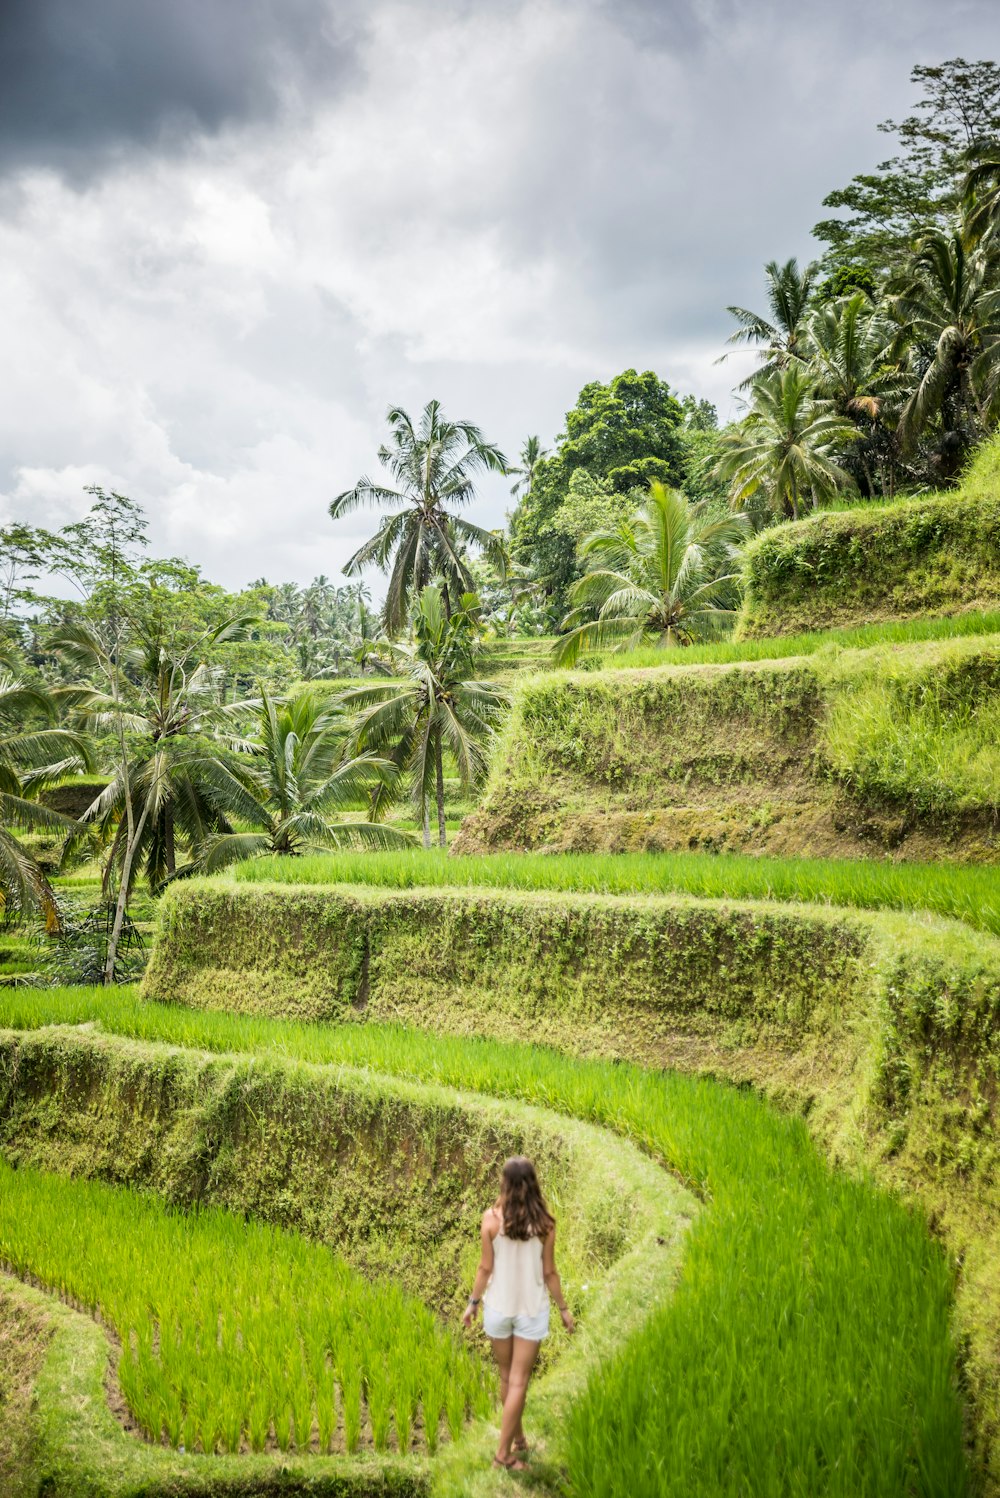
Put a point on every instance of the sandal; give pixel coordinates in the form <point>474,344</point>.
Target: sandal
<point>514,1465</point>
<point>521,1446</point>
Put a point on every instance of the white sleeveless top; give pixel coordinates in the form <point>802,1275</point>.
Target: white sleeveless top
<point>516,1286</point>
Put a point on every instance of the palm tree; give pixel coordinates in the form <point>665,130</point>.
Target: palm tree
<point>439,705</point>
<point>783,450</point>
<point>947,307</point>
<point>784,334</point>
<point>666,576</point>
<point>982,198</point>
<point>432,466</point>
<point>294,780</point>
<point>172,778</point>
<point>532,454</point>
<point>850,364</point>
<point>30,759</point>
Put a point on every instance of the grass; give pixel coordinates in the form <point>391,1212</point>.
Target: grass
<point>808,1347</point>
<point>858,637</point>
<point>235,1333</point>
<point>966,892</point>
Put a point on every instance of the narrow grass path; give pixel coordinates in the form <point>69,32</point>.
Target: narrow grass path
<point>965,892</point>
<point>808,1348</point>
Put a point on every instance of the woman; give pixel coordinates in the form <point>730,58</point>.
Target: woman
<point>517,1270</point>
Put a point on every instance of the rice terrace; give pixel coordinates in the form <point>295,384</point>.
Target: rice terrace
<point>526,1015</point>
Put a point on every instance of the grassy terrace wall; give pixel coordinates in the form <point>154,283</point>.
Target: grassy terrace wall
<point>362,1163</point>
<point>844,753</point>
<point>883,1029</point>
<point>934,555</point>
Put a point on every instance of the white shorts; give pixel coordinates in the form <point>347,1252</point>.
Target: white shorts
<point>531,1328</point>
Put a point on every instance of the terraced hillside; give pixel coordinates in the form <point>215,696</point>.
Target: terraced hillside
<point>845,752</point>
<point>933,555</point>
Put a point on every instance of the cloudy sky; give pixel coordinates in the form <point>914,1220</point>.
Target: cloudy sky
<point>233,231</point>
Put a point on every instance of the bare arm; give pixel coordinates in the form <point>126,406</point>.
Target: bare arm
<point>486,1235</point>
<point>552,1281</point>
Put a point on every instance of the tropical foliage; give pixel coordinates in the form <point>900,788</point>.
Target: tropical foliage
<point>33,754</point>
<point>666,575</point>
<point>296,778</point>
<point>433,465</point>
<point>439,706</point>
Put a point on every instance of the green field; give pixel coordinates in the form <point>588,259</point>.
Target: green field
<point>869,1403</point>
<point>234,1333</point>
<point>966,892</point>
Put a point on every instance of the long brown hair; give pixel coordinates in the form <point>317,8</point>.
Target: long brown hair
<point>522,1205</point>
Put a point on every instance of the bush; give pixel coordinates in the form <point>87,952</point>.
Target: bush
<point>934,555</point>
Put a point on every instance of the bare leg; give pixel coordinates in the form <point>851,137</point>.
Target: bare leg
<point>522,1362</point>
<point>503,1350</point>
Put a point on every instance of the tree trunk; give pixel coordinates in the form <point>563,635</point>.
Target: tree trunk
<point>427,819</point>
<point>439,776</point>
<point>169,852</point>
<point>122,901</point>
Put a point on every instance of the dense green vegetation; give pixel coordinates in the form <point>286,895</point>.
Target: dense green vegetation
<point>839,752</point>
<point>233,1331</point>
<point>865,564</point>
<point>967,892</point>
<point>809,1241</point>
<point>886,632</point>
<point>273,1127</point>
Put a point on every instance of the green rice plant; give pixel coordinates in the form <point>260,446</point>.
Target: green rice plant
<point>965,892</point>
<point>217,1316</point>
<point>780,647</point>
<point>808,1347</point>
<point>326,1408</point>
<point>378,1396</point>
<point>349,1377</point>
<point>455,1410</point>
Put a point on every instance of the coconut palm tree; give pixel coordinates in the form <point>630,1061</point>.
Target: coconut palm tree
<point>172,779</point>
<point>667,576</point>
<point>439,705</point>
<point>947,309</point>
<point>784,334</point>
<point>532,453</point>
<point>31,757</point>
<point>851,368</point>
<point>293,781</point>
<point>432,466</point>
<point>783,452</point>
<point>982,198</point>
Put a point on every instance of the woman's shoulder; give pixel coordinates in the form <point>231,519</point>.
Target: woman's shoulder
<point>492,1219</point>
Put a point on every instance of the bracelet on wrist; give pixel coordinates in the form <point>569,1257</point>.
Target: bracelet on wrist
<point>474,1300</point>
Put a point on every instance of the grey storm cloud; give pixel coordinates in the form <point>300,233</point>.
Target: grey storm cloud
<point>259,222</point>
<point>80,78</point>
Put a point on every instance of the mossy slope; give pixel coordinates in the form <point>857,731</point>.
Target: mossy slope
<point>844,753</point>
<point>882,1028</point>
<point>939,554</point>
<point>392,1173</point>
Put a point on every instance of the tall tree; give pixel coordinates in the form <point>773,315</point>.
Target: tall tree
<point>667,575</point>
<point>783,334</point>
<point>622,434</point>
<point>852,369</point>
<point>531,455</point>
<point>785,451</point>
<point>32,755</point>
<point>439,706</point>
<point>433,466</point>
<point>918,188</point>
<point>294,786</point>
<point>157,701</point>
<point>947,307</point>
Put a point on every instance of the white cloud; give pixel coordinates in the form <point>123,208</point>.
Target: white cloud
<point>502,203</point>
